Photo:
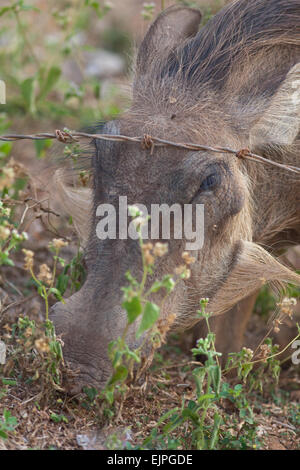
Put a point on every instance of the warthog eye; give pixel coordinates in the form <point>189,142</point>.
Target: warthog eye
<point>210,182</point>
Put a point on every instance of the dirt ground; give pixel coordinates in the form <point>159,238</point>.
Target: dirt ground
<point>278,423</point>
<point>165,385</point>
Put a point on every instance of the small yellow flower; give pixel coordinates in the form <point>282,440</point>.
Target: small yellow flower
<point>277,322</point>
<point>188,259</point>
<point>84,178</point>
<point>139,222</point>
<point>18,169</point>
<point>183,271</point>
<point>163,326</point>
<point>4,232</point>
<point>187,274</point>
<point>248,352</point>
<point>160,249</point>
<point>180,269</point>
<point>28,332</point>
<point>45,274</point>
<point>149,259</point>
<point>7,177</point>
<point>265,350</point>
<point>58,243</point>
<point>6,211</point>
<point>42,345</point>
<point>286,306</point>
<point>147,246</point>
<point>289,301</point>
<point>28,265</point>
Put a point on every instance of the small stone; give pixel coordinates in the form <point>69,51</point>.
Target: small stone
<point>2,352</point>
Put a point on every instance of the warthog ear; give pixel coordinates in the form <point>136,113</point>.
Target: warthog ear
<point>172,27</point>
<point>280,123</point>
<point>254,268</point>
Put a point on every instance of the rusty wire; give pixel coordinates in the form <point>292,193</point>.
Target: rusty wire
<point>147,142</point>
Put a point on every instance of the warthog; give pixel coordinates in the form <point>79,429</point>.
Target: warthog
<point>234,83</point>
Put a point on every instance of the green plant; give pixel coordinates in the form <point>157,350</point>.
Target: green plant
<point>148,11</point>
<point>137,304</point>
<point>73,274</point>
<point>45,278</point>
<point>59,418</point>
<point>37,352</point>
<point>38,87</point>
<point>207,425</point>
<point>10,238</point>
<point>7,424</point>
<point>10,184</point>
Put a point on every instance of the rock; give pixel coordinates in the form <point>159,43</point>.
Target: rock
<point>98,64</point>
<point>104,439</point>
<point>2,352</point>
<point>101,64</point>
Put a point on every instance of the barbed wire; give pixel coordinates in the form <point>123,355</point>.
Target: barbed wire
<point>147,142</point>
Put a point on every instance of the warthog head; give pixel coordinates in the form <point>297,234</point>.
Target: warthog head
<point>235,83</point>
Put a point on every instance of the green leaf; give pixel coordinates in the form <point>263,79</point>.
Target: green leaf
<point>3,434</point>
<point>10,422</point>
<point>90,392</point>
<point>150,315</point>
<point>199,376</point>
<point>5,148</point>
<point>41,146</point>
<point>134,356</point>
<point>168,283</point>
<point>117,358</point>
<point>207,396</point>
<point>27,91</point>
<point>61,261</point>
<point>48,84</point>
<point>55,347</point>
<point>56,292</point>
<point>5,10</point>
<point>176,421</point>
<point>58,418</point>
<point>156,286</point>
<point>62,283</point>
<point>109,395</point>
<point>215,373</point>
<point>4,259</point>
<point>133,308</point>
<point>215,433</point>
<point>187,413</point>
<point>9,382</point>
<point>29,8</point>
<point>120,375</point>
<point>167,415</point>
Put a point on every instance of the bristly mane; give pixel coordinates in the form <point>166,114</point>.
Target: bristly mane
<point>233,37</point>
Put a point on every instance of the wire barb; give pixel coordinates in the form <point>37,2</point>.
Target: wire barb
<point>243,153</point>
<point>147,142</point>
<point>65,137</point>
